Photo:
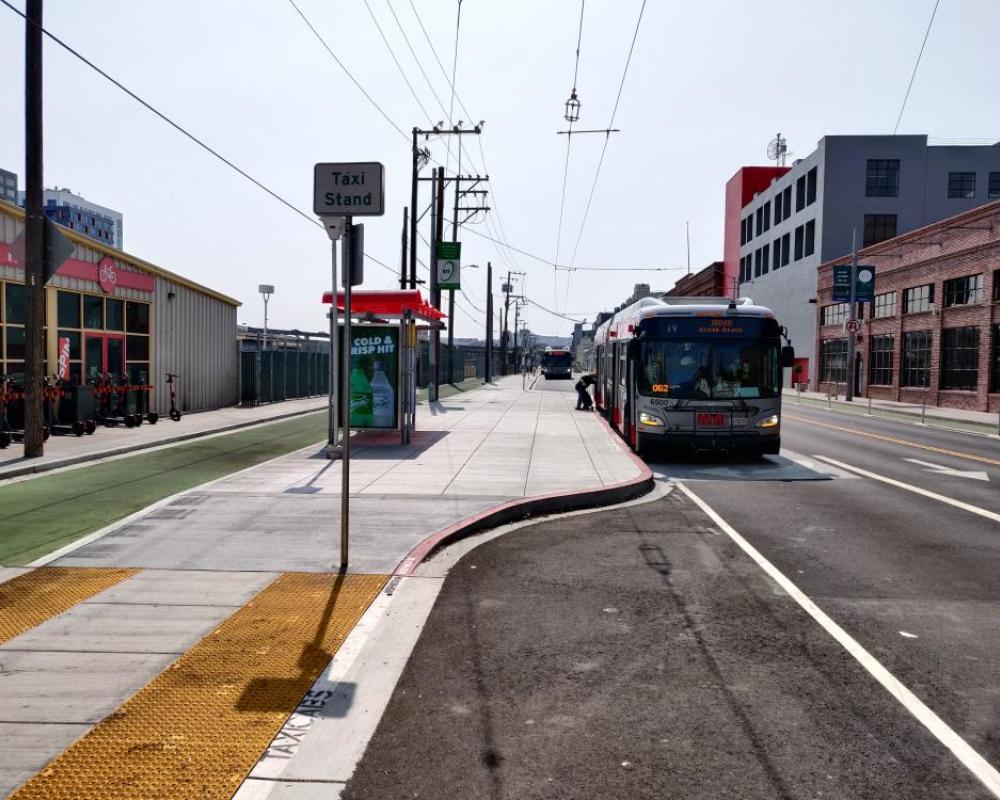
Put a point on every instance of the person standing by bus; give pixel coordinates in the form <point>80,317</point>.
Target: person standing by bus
<point>583,400</point>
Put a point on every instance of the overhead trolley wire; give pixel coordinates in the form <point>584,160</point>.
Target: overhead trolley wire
<point>607,136</point>
<point>565,180</point>
<point>916,65</point>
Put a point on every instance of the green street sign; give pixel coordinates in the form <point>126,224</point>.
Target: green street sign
<point>864,288</point>
<point>448,258</point>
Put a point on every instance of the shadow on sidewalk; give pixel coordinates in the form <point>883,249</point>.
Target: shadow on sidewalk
<point>268,695</point>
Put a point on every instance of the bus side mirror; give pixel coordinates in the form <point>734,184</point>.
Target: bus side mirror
<point>787,356</point>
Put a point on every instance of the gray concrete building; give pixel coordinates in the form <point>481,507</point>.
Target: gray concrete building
<point>878,186</point>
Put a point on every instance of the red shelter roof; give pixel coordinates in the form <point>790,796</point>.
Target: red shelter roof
<point>387,303</point>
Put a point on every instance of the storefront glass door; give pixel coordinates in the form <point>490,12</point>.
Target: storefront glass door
<point>104,353</point>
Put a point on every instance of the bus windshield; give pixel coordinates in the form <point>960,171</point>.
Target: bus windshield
<point>562,359</point>
<point>705,369</point>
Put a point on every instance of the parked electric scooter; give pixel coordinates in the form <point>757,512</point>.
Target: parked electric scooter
<point>14,413</point>
<point>175,413</point>
<point>6,432</point>
<point>53,394</point>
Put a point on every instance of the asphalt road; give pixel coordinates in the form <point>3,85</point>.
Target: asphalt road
<point>638,653</point>
<point>641,653</point>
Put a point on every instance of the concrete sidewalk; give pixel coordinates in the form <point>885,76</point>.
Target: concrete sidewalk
<point>62,451</point>
<point>952,418</point>
<point>207,552</point>
<point>474,452</point>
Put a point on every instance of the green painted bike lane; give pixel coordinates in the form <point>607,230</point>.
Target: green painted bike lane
<point>40,515</point>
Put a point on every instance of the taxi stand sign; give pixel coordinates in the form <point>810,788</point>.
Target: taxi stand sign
<point>349,189</point>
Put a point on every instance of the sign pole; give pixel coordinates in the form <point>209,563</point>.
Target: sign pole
<point>345,399</point>
<point>333,432</point>
<point>849,394</point>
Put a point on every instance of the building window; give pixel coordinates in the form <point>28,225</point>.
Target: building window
<point>834,314</point>
<point>811,187</point>
<point>962,185</point>
<point>749,227</point>
<point>777,208</point>
<point>885,305</point>
<point>915,369</point>
<point>756,263</point>
<point>810,246</point>
<point>764,259</point>
<point>786,201</point>
<point>833,360</point>
<point>93,312</point>
<point>137,317</point>
<point>996,285</point>
<point>882,177</point>
<point>960,358</point>
<point>743,231</point>
<point>919,298</point>
<point>760,221</point>
<point>15,303</point>
<point>777,253</point>
<point>799,234</point>
<point>68,309</point>
<point>800,193</point>
<point>994,186</point>
<point>785,249</point>
<point>879,228</point>
<point>880,361</point>
<point>115,315</point>
<point>766,209</point>
<point>963,291</point>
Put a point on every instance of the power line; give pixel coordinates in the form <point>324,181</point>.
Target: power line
<point>535,303</point>
<point>399,66</point>
<point>915,66</point>
<point>165,118</point>
<point>550,263</point>
<point>454,69</point>
<point>347,72</point>
<point>176,126</point>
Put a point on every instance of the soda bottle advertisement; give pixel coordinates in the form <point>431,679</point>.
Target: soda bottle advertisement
<point>374,376</point>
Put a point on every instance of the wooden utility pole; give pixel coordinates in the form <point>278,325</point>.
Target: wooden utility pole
<point>489,323</point>
<point>34,234</point>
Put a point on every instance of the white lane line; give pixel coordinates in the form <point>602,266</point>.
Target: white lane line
<point>975,763</point>
<point>940,469</point>
<point>915,489</point>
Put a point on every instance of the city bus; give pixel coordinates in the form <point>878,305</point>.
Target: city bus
<point>557,362</point>
<point>701,373</point>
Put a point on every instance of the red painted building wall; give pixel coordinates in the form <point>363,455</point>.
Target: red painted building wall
<point>740,190</point>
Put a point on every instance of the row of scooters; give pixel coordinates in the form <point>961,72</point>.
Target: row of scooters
<point>77,410</point>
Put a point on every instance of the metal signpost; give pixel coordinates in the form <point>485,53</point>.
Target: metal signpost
<point>342,191</point>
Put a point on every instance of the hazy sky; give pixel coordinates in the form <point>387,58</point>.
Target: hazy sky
<point>710,83</point>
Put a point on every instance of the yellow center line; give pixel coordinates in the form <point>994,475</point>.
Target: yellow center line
<point>894,440</point>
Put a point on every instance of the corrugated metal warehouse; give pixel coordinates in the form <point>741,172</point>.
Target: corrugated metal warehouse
<point>123,315</point>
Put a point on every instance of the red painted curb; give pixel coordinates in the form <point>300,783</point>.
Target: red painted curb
<point>552,503</point>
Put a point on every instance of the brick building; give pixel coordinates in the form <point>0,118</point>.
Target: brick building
<point>708,282</point>
<point>934,328</point>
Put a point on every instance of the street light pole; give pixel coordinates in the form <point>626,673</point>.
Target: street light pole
<point>489,323</point>
<point>852,310</point>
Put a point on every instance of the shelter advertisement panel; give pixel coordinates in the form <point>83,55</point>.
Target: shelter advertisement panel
<point>374,376</point>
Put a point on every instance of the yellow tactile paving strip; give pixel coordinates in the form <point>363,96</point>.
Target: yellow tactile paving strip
<point>198,728</point>
<point>34,597</point>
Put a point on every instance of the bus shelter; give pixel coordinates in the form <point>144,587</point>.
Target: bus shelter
<point>383,375</point>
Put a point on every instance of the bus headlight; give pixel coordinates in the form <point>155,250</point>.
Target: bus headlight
<point>650,419</point>
<point>769,422</point>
